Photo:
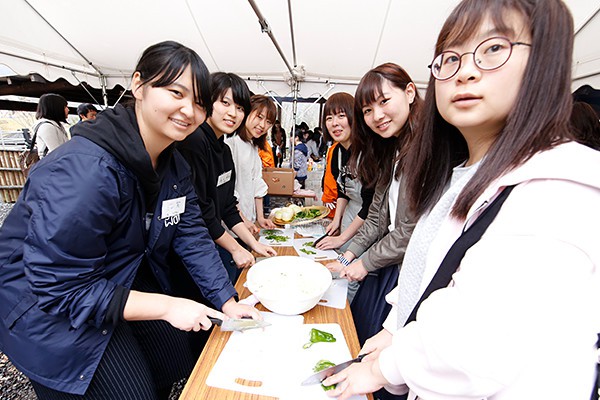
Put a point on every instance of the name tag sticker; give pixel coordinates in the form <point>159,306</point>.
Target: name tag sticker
<point>224,178</point>
<point>172,207</point>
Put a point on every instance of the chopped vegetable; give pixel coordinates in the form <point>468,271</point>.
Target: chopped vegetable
<point>317,336</point>
<point>309,244</point>
<point>277,238</point>
<point>320,366</point>
<point>306,251</point>
<point>272,231</point>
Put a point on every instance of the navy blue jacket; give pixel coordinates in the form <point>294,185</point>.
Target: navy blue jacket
<point>78,231</point>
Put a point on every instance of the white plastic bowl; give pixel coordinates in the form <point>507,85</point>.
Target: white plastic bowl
<point>288,285</point>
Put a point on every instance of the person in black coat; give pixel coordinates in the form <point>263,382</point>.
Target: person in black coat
<point>214,172</point>
<point>88,306</point>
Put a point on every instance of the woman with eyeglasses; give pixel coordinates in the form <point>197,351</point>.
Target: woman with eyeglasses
<point>250,188</point>
<point>516,315</point>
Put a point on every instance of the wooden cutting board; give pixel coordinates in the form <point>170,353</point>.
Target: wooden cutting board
<point>272,362</point>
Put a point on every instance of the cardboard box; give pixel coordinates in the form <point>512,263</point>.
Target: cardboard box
<point>279,180</point>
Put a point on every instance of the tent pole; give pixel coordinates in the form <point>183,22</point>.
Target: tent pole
<point>267,29</point>
<point>292,32</point>
<point>104,93</point>
<point>294,122</point>
<point>584,76</point>
<point>269,92</point>
<point>591,17</point>
<point>331,86</point>
<point>49,64</point>
<point>65,39</point>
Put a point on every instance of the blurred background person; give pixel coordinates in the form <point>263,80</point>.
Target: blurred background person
<point>585,125</point>
<point>87,112</point>
<point>51,112</point>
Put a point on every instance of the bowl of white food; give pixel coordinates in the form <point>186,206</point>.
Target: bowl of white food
<point>288,285</point>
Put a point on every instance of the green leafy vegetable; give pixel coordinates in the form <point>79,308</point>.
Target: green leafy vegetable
<point>308,213</point>
<point>309,244</point>
<point>320,366</point>
<point>277,238</point>
<point>317,336</point>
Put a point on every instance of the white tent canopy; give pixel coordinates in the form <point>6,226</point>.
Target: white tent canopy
<point>334,41</point>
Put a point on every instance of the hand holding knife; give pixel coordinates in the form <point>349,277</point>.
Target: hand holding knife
<point>319,239</point>
<point>326,373</point>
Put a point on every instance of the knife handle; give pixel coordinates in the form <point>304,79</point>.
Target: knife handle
<point>216,321</point>
<point>360,357</point>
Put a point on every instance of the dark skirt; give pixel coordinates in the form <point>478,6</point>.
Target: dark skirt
<point>369,308</point>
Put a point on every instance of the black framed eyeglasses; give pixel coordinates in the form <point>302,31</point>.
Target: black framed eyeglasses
<point>490,54</point>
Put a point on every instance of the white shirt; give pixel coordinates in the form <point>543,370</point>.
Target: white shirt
<point>248,175</point>
<point>520,318</point>
<point>393,199</point>
<point>50,135</point>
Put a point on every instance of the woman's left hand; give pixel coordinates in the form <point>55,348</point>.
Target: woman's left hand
<point>266,223</point>
<point>233,309</point>
<point>264,250</point>
<point>359,378</point>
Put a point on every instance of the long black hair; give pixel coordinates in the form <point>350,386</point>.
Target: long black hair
<point>52,106</point>
<point>221,81</point>
<point>538,120</point>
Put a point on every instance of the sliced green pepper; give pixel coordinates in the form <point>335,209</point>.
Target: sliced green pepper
<point>320,366</point>
<point>318,336</point>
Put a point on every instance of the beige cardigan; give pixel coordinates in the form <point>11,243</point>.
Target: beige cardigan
<point>383,248</point>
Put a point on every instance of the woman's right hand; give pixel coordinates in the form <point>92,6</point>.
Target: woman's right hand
<point>189,315</point>
<point>330,242</point>
<point>376,343</point>
<point>252,228</point>
<point>242,257</point>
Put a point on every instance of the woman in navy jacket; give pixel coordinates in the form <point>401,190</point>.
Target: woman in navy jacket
<point>83,252</point>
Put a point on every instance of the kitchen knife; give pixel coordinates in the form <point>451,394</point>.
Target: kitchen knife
<point>319,239</point>
<point>233,324</point>
<point>327,372</point>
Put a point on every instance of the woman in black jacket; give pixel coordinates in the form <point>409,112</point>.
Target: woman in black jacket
<point>86,297</point>
<point>214,172</point>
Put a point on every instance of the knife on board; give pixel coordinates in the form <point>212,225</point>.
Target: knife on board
<point>233,324</point>
<point>327,372</point>
<point>319,239</point>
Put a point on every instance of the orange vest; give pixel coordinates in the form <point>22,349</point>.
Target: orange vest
<point>330,193</point>
<point>267,157</point>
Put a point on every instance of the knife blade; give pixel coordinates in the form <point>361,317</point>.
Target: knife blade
<point>319,239</point>
<point>327,372</point>
<point>233,324</point>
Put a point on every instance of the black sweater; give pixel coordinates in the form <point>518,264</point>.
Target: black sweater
<point>366,194</point>
<point>214,178</point>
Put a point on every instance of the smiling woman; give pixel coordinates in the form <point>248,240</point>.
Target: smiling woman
<point>100,197</point>
<point>215,175</point>
<point>250,187</point>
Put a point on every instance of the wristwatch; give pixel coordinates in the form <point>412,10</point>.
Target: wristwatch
<point>343,260</point>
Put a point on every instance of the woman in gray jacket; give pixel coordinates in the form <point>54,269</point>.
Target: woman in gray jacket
<point>388,102</point>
